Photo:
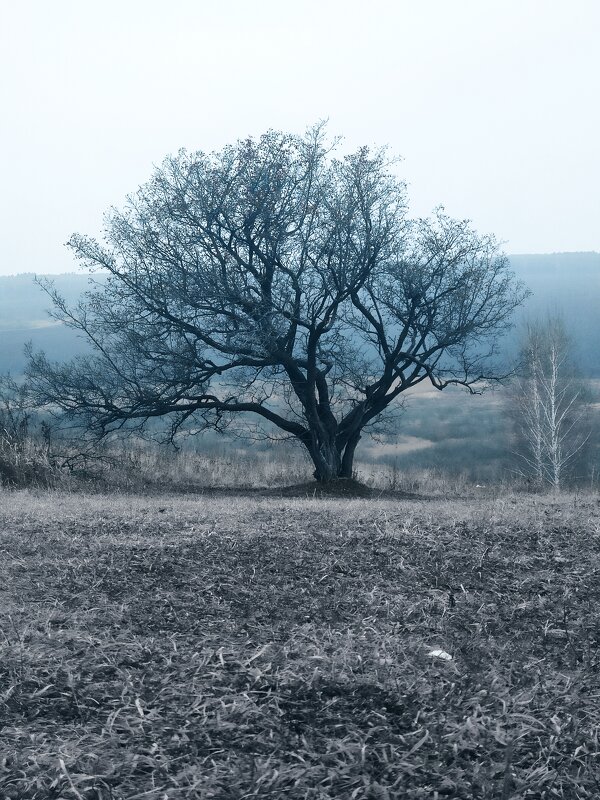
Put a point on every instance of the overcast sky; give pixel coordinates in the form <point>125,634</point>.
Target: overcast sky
<point>494,105</point>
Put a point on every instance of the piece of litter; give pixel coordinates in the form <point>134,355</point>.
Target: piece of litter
<point>440,654</point>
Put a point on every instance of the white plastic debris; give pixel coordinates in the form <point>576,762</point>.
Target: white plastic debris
<point>440,654</point>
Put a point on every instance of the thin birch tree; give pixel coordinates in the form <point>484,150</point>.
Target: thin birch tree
<point>551,405</point>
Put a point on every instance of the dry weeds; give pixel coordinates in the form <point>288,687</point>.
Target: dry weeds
<point>170,648</point>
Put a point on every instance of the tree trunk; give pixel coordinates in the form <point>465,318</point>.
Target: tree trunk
<point>348,457</point>
<point>328,463</point>
<point>331,463</point>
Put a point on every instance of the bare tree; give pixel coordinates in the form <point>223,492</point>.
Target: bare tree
<point>551,406</point>
<point>276,280</point>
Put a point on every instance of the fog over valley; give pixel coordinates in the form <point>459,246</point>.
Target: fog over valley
<point>563,283</point>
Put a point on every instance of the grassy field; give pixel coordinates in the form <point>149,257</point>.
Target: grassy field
<point>240,646</point>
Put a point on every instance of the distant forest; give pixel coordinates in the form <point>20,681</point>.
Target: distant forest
<point>567,283</point>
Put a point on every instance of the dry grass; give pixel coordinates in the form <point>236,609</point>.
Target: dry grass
<point>168,648</point>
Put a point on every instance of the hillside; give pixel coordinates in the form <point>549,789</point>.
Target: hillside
<point>564,282</point>
<point>568,283</point>
<point>24,317</point>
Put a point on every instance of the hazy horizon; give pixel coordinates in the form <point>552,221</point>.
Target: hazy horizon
<point>80,271</point>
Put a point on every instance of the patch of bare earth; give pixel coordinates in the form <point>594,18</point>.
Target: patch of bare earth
<point>346,488</point>
<point>271,647</point>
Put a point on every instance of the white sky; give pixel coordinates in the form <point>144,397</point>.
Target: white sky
<point>493,104</point>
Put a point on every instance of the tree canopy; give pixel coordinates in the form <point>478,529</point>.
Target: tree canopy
<point>278,279</point>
